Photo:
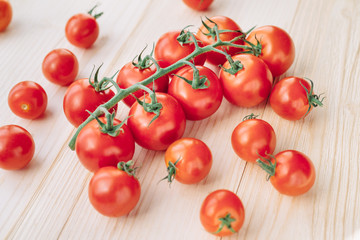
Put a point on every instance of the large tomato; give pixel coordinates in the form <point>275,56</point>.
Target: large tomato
<point>81,96</point>
<point>130,75</point>
<point>167,128</point>
<point>222,213</point>
<point>27,99</point>
<point>198,5</point>
<point>223,23</point>
<point>188,160</point>
<point>60,66</point>
<point>278,50</point>
<point>17,147</point>
<point>253,138</point>
<point>251,85</point>
<point>96,149</point>
<point>197,103</point>
<point>5,14</point>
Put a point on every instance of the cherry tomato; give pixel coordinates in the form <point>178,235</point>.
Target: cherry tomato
<point>81,96</point>
<point>17,147</point>
<point>249,86</point>
<point>60,66</point>
<point>197,103</point>
<point>130,75</point>
<point>5,14</point>
<point>223,23</point>
<point>253,137</point>
<point>278,50</point>
<point>113,192</point>
<point>291,101</point>
<point>167,128</point>
<point>96,149</point>
<point>27,99</point>
<point>191,158</point>
<point>198,5</point>
<point>222,213</point>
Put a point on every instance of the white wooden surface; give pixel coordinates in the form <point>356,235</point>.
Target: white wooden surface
<point>48,199</point>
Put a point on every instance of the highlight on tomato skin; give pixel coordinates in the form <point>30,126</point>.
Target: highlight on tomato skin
<point>5,14</point>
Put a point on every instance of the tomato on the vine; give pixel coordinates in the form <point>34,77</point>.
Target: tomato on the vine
<point>249,86</point>
<point>222,213</point>
<point>60,66</point>
<point>5,14</point>
<point>198,5</point>
<point>278,50</point>
<point>188,160</point>
<point>27,99</point>
<point>197,103</point>
<point>17,147</point>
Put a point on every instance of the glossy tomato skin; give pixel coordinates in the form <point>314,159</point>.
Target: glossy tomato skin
<point>289,99</point>
<point>166,129</point>
<point>27,99</point>
<point>113,192</point>
<point>195,159</point>
<point>223,23</point>
<point>96,149</point>
<point>198,5</point>
<point>278,49</point>
<point>81,96</point>
<point>17,147</point>
<point>82,30</point>
<point>217,205</point>
<point>294,173</point>
<point>253,137</point>
<point>249,86</point>
<point>5,14</point>
<point>130,75</point>
<point>197,103</point>
<point>60,66</point>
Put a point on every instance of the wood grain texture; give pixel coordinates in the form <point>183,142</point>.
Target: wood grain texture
<point>48,199</point>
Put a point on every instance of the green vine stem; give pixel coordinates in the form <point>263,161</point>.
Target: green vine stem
<point>250,116</point>
<point>314,100</point>
<point>95,15</point>
<point>267,165</point>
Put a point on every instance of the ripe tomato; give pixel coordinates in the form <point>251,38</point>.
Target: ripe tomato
<point>17,147</point>
<point>113,192</point>
<point>60,66</point>
<point>5,14</point>
<point>249,86</point>
<point>222,213</point>
<point>197,103</point>
<point>291,101</point>
<point>167,128</point>
<point>278,50</point>
<point>293,173</point>
<point>130,75</point>
<point>198,5</point>
<point>96,149</point>
<point>253,137</point>
<point>27,99</point>
<point>223,23</point>
<point>81,96</point>
<point>191,159</point>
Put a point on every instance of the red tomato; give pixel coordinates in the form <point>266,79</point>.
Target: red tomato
<point>253,137</point>
<point>168,50</point>
<point>249,86</point>
<point>167,128</point>
<point>81,96</point>
<point>290,100</point>
<point>113,192</point>
<point>198,5</point>
<point>60,66</point>
<point>222,213</point>
<point>5,14</point>
<point>197,103</point>
<point>223,23</point>
<point>96,149</point>
<point>27,100</point>
<point>17,147</point>
<point>192,160</point>
<point>130,75</point>
<point>278,50</point>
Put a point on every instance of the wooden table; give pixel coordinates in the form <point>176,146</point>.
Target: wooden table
<point>48,199</point>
